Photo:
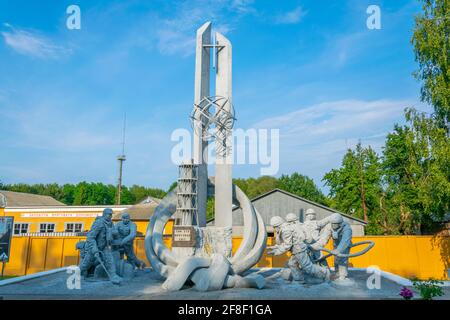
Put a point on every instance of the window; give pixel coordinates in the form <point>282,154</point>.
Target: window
<point>20,228</point>
<point>47,227</point>
<point>74,227</point>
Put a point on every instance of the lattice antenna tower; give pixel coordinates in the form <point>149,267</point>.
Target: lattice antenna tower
<point>121,158</point>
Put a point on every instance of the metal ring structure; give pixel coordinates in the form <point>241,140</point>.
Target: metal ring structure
<point>217,111</point>
<point>248,254</point>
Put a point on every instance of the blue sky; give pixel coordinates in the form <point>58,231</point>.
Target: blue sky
<point>310,68</point>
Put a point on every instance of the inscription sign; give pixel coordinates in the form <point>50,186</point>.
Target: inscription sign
<point>6,231</point>
<point>183,236</point>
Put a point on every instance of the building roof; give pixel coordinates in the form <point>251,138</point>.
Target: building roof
<point>20,199</point>
<point>141,211</point>
<point>305,200</point>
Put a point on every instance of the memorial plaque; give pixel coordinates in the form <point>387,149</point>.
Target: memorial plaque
<point>6,231</point>
<point>183,236</point>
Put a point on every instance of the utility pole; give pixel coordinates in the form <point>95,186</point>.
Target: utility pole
<point>121,158</point>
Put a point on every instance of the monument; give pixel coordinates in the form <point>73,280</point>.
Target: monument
<point>203,254</point>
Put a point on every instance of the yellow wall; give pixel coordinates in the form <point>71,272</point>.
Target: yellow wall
<point>408,256</point>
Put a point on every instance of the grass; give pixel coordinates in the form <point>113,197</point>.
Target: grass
<point>6,277</point>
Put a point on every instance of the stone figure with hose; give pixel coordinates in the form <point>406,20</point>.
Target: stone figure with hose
<point>291,238</point>
<point>314,233</point>
<point>341,233</point>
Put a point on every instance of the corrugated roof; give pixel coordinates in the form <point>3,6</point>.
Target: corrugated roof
<point>20,199</point>
<point>306,200</point>
<point>141,211</point>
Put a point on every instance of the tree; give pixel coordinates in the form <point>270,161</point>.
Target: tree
<point>432,50</point>
<point>140,193</point>
<point>85,193</point>
<point>254,187</point>
<point>416,160</point>
<point>210,208</point>
<point>302,186</point>
<point>356,186</point>
<point>172,186</point>
<point>68,193</point>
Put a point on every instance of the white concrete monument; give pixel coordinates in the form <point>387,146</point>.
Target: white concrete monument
<point>203,254</point>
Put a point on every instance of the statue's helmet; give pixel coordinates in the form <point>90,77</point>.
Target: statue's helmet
<point>291,217</point>
<point>276,221</point>
<point>310,211</point>
<point>126,215</point>
<point>107,211</point>
<point>336,218</point>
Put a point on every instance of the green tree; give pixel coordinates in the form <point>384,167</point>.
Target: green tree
<point>356,186</point>
<point>172,186</point>
<point>68,194</point>
<point>85,193</point>
<point>254,187</point>
<point>302,186</point>
<point>126,197</point>
<point>140,193</point>
<point>210,208</point>
<point>432,50</point>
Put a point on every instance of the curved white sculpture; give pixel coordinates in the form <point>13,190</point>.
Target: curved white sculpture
<point>178,270</point>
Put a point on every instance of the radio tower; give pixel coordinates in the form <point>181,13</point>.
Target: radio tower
<point>121,159</point>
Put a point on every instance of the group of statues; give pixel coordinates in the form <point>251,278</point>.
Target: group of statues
<point>306,241</point>
<point>106,246</point>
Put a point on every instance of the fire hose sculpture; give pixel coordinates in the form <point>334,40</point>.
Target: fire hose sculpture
<point>307,240</point>
<point>207,273</point>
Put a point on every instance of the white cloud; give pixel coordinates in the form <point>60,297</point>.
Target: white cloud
<point>314,138</point>
<point>291,17</point>
<point>177,34</point>
<point>338,117</point>
<point>30,43</point>
<point>242,6</point>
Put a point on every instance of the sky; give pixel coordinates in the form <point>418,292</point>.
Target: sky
<point>311,69</point>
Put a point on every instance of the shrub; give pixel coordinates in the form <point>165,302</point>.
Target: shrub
<point>429,289</point>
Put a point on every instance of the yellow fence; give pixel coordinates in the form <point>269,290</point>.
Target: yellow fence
<point>420,257</point>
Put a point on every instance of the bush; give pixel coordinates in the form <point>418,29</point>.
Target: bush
<point>429,289</point>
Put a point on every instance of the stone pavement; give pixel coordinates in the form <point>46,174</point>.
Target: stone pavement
<point>147,285</point>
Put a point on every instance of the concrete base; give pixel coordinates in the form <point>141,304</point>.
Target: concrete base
<point>147,285</point>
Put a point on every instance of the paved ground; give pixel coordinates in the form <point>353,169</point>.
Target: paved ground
<point>147,285</point>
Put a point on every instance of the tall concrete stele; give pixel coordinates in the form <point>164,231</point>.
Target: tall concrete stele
<point>222,118</point>
<point>200,253</point>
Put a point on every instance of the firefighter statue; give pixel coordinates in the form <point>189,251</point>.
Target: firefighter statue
<point>341,233</point>
<point>124,234</point>
<point>97,250</point>
<point>291,238</point>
